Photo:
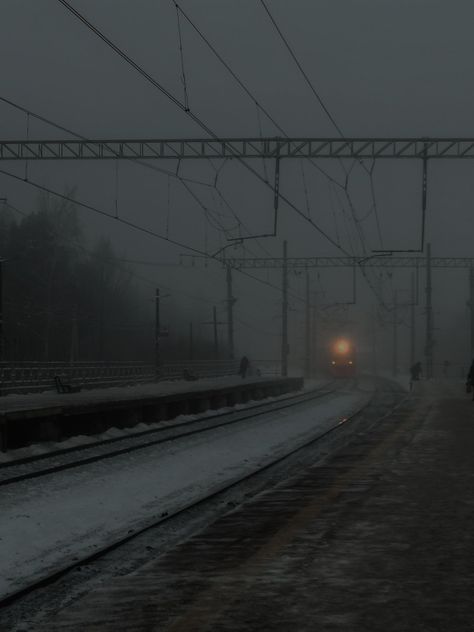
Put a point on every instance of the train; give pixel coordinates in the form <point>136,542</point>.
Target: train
<point>342,358</point>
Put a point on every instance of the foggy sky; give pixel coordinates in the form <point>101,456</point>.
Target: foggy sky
<point>383,68</point>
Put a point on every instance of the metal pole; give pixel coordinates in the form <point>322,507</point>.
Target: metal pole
<point>157,333</point>
<point>230,314</point>
<point>395,334</point>
<point>412,321</point>
<point>374,341</point>
<point>308,349</point>
<point>73,353</point>
<point>284,314</point>
<point>2,346</point>
<point>471,309</point>
<point>216,340</point>
<point>314,333</point>
<point>191,342</point>
<point>429,316</point>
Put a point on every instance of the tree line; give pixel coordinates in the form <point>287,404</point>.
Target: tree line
<point>67,300</point>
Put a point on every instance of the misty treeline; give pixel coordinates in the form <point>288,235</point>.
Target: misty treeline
<point>65,299</point>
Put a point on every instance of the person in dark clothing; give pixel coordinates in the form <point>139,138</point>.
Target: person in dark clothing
<point>244,365</point>
<point>470,380</point>
<point>415,372</point>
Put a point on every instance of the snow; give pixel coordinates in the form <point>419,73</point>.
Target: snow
<point>78,440</point>
<point>48,522</point>
<point>51,399</point>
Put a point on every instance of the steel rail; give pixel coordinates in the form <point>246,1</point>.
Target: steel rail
<point>268,407</point>
<point>61,572</point>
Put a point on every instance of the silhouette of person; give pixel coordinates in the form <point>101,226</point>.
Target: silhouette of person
<point>244,365</point>
<point>415,371</point>
<point>470,380</point>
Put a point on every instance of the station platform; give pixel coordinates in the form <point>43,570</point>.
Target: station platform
<point>380,537</point>
<point>51,416</point>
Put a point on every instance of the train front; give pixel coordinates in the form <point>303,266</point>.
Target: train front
<point>342,358</point>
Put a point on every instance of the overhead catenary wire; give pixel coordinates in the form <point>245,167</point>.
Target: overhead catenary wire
<point>260,107</point>
<point>335,125</point>
<point>249,93</point>
<point>137,227</point>
<point>192,116</point>
<point>184,181</point>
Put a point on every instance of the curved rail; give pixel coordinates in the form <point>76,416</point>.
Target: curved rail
<point>171,432</point>
<point>61,572</point>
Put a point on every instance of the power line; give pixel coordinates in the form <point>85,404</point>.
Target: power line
<point>184,181</point>
<point>136,227</point>
<point>295,59</point>
<point>190,114</point>
<point>260,107</point>
<point>239,81</point>
<point>338,129</point>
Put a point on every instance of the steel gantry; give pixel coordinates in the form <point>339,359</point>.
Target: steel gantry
<point>346,262</point>
<point>378,261</point>
<point>182,149</point>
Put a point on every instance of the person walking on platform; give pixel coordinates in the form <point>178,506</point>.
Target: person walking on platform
<point>415,372</point>
<point>470,380</point>
<point>244,365</point>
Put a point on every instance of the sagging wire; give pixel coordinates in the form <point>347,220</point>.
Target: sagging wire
<point>181,53</point>
<point>260,131</point>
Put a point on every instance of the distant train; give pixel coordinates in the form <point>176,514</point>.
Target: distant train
<point>342,358</point>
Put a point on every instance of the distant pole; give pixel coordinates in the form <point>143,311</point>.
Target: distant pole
<point>284,314</point>
<point>429,316</point>
<point>157,333</point>
<point>2,346</point>
<point>216,340</point>
<point>395,334</point>
<point>313,335</point>
<point>191,342</point>
<point>471,309</point>
<point>74,337</point>
<point>308,354</point>
<point>374,341</point>
<point>412,321</point>
<point>230,313</point>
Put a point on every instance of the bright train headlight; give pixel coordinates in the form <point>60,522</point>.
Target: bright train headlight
<point>342,346</point>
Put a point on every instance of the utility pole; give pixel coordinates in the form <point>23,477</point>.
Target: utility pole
<point>230,313</point>
<point>308,354</point>
<point>157,333</point>
<point>2,346</point>
<point>429,316</point>
<point>216,339</point>
<point>284,314</point>
<point>471,309</point>
<point>313,336</point>
<point>395,334</point>
<point>191,342</point>
<point>374,341</point>
<point>214,322</point>
<point>73,353</point>
<point>412,321</point>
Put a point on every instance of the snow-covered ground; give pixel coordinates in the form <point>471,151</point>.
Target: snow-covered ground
<point>50,446</point>
<point>48,522</point>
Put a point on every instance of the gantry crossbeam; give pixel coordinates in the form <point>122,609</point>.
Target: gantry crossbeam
<point>182,149</point>
<point>343,262</point>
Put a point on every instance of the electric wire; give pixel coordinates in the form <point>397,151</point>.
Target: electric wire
<point>193,117</point>
<point>138,228</point>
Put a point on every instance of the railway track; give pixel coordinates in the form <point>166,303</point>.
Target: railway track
<point>67,458</point>
<point>338,425</point>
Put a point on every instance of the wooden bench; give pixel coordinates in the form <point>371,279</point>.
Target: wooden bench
<point>61,387</point>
